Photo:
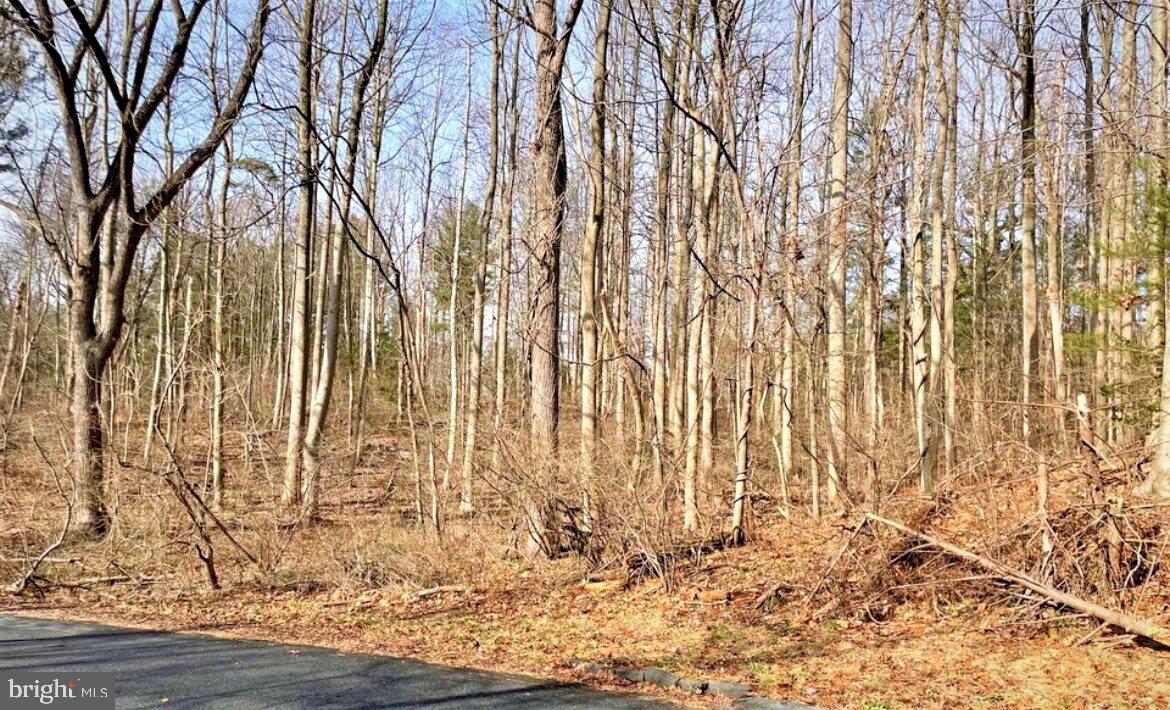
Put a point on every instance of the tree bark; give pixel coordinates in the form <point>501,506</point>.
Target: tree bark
<point>453,296</point>
<point>306,214</point>
<point>323,392</point>
<point>919,368</point>
<point>550,176</point>
<point>591,271</point>
<point>838,240</point>
<point>475,367</point>
<point>218,470</point>
<point>1029,315</point>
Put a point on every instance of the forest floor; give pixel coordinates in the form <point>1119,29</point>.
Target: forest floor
<point>927,655</point>
<point>359,583</point>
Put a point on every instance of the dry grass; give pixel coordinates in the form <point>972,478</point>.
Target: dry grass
<point>921,635</point>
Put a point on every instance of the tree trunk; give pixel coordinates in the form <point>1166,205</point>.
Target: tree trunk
<point>1053,241</point>
<point>475,367</point>
<point>591,270</point>
<point>90,515</point>
<point>919,371</point>
<point>939,234</point>
<point>950,364</point>
<point>306,213</point>
<point>1157,481</point>
<point>661,258</point>
<point>550,175</point>
<point>453,296</point>
<point>323,392</point>
<point>163,312</point>
<point>218,472</point>
<point>504,268</point>
<point>1029,343</point>
<point>838,240</point>
<point>1155,280</point>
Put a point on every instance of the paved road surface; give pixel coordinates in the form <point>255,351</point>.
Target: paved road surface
<point>205,672</point>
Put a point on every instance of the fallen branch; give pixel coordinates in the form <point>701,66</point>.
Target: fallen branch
<point>1120,619</point>
<point>45,560</point>
<point>113,579</point>
<point>452,589</point>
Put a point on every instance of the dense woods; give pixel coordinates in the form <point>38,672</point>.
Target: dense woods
<point>616,279</point>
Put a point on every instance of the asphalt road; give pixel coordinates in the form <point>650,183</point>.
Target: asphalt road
<point>170,670</point>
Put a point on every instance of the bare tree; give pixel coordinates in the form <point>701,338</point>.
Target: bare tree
<point>591,270</point>
<point>915,226</point>
<point>550,176</point>
<point>838,239</point>
<point>1030,345</point>
<point>330,326</point>
<point>306,215</point>
<point>102,184</point>
<point>475,367</point>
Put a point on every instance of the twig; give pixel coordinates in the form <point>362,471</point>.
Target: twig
<point>1085,639</point>
<point>450,588</point>
<point>762,599</point>
<point>113,579</point>
<point>204,508</point>
<point>20,585</point>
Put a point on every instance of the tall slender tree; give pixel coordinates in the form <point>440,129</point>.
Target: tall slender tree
<point>838,241</point>
<point>550,177</point>
<point>591,262</point>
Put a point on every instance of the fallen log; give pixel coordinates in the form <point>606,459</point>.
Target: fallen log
<point>1113,617</point>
